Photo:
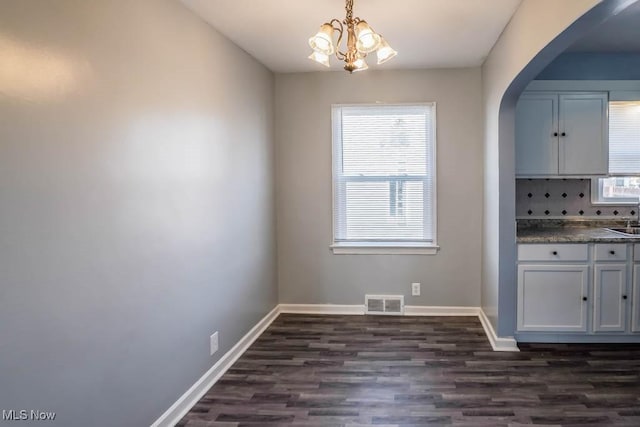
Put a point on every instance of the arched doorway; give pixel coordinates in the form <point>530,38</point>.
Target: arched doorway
<point>538,33</point>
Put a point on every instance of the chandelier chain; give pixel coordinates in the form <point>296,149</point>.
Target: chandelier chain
<point>349,8</point>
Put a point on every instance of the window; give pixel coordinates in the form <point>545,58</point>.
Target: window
<point>623,186</point>
<point>384,179</point>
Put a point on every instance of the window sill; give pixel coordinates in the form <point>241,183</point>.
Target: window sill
<point>384,249</point>
<point>629,204</point>
<point>614,203</point>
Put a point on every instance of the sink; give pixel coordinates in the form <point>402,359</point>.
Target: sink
<point>629,231</point>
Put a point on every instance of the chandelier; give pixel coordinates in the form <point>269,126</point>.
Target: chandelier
<point>361,40</point>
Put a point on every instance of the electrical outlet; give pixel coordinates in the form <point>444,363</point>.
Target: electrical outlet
<point>415,289</point>
<point>213,342</point>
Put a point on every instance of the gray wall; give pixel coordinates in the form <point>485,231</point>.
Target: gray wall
<point>308,272</point>
<point>136,205</point>
<point>593,66</point>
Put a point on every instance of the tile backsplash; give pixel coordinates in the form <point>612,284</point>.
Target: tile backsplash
<point>563,198</point>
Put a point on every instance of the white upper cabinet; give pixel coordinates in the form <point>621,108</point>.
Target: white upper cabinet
<point>583,140</point>
<point>561,134</point>
<point>537,134</point>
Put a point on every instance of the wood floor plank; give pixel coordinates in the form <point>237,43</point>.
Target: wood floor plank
<point>330,370</point>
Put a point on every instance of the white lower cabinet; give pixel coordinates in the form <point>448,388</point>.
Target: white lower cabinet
<point>553,298</point>
<point>635,315</point>
<point>590,289</point>
<point>610,298</point>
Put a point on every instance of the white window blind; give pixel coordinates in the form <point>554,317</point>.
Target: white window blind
<point>624,156</point>
<point>624,138</point>
<point>384,173</point>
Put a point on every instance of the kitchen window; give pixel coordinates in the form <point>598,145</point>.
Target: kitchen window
<point>384,179</point>
<point>623,184</point>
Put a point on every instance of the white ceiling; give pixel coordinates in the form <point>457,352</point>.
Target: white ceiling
<point>426,33</point>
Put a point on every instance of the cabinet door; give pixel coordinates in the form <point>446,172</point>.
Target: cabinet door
<point>583,142</point>
<point>536,124</point>
<point>553,298</point>
<point>610,306</point>
<point>635,315</point>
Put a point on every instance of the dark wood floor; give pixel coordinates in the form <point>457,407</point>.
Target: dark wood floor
<point>312,370</point>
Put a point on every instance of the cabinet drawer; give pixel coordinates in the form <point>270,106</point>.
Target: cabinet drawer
<point>553,252</point>
<point>610,252</point>
<point>636,252</point>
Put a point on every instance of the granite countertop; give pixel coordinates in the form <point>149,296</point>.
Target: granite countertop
<point>570,232</point>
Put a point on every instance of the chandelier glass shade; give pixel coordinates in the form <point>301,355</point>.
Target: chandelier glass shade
<point>361,40</point>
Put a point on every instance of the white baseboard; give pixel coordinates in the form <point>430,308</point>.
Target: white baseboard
<point>497,343</point>
<point>424,310</point>
<point>180,408</point>
<point>409,310</point>
<point>321,309</point>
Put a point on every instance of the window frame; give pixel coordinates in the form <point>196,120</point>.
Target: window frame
<point>596,182</point>
<point>383,247</point>
<point>598,199</point>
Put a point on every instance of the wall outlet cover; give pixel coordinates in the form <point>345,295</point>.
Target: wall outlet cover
<point>415,289</point>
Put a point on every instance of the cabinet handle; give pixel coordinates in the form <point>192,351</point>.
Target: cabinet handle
<point>554,253</point>
<point>584,298</point>
<point>555,134</point>
<point>612,252</point>
<point>563,134</point>
<point>624,297</point>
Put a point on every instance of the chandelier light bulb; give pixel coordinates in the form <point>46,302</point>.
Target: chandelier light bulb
<point>320,58</point>
<point>360,65</point>
<point>323,40</point>
<point>385,52</point>
<point>367,39</point>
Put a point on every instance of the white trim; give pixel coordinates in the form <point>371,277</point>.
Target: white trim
<point>585,85</point>
<point>351,249</point>
<point>562,338</point>
<point>497,343</point>
<point>185,402</point>
<point>431,177</point>
<point>322,309</point>
<point>422,310</point>
<point>596,192</point>
<point>624,95</point>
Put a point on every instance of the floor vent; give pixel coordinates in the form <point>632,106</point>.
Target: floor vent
<point>384,304</point>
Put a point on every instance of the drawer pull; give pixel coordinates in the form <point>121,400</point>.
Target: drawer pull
<point>584,298</point>
<point>624,297</point>
<point>612,252</point>
<point>554,253</point>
